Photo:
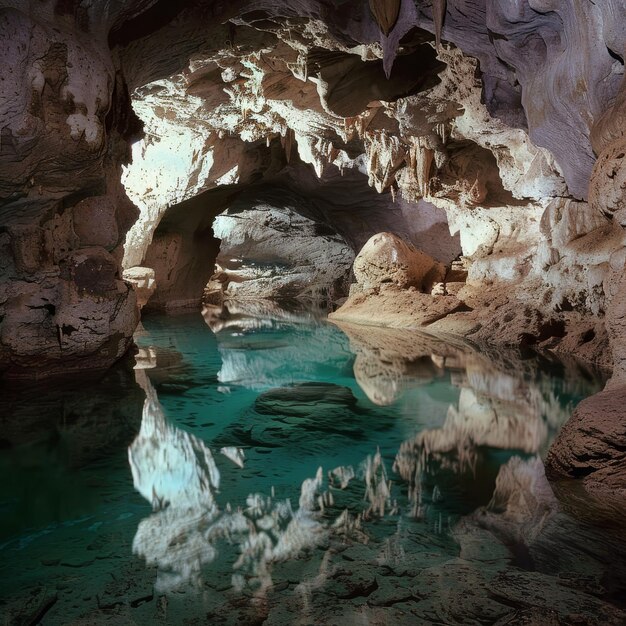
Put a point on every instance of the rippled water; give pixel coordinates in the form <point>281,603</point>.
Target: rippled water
<point>283,470</point>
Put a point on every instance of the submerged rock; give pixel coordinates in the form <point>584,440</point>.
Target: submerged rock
<point>303,419</point>
<point>304,399</point>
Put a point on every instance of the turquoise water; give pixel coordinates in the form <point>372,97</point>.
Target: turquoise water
<point>283,470</point>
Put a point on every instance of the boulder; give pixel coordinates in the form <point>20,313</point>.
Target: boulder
<point>386,258</point>
<point>591,446</point>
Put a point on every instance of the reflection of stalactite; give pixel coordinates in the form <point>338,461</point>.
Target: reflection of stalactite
<point>170,467</point>
<point>377,487</point>
<point>175,471</point>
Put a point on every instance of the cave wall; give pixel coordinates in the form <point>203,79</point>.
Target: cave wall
<point>508,118</point>
<point>65,126</point>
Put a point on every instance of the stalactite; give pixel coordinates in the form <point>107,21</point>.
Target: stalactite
<point>300,68</point>
<point>421,161</point>
<point>384,156</point>
<point>440,158</point>
<point>439,13</point>
<point>442,130</point>
<point>287,143</point>
<point>385,13</point>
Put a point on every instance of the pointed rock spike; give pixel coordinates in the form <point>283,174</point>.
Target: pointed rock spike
<point>385,13</point>
<point>439,13</point>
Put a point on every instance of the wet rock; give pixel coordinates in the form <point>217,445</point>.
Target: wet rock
<point>389,591</point>
<point>591,446</point>
<point>352,585</point>
<point>303,419</point>
<point>531,617</point>
<point>456,592</point>
<point>532,589</point>
<point>29,609</point>
<point>305,398</point>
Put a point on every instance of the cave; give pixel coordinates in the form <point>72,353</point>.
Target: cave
<point>312,312</point>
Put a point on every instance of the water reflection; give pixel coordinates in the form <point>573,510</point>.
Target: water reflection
<point>431,504</point>
<point>177,474</point>
<point>256,314</point>
<point>258,355</point>
<point>448,519</point>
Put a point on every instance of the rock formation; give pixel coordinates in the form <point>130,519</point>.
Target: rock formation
<point>65,124</point>
<point>488,136</point>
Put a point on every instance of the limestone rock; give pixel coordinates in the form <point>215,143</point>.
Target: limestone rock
<point>65,120</point>
<point>591,446</point>
<point>386,258</point>
<point>143,281</point>
<point>95,223</point>
<point>608,181</point>
<point>273,249</point>
<point>396,308</point>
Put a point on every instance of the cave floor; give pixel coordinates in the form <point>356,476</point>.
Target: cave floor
<point>206,503</point>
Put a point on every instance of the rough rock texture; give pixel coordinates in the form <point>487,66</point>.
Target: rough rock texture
<point>385,258</point>
<point>592,446</point>
<point>65,120</point>
<point>269,248</point>
<point>492,113</point>
<point>391,306</point>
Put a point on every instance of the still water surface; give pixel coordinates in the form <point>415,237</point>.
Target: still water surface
<point>283,470</point>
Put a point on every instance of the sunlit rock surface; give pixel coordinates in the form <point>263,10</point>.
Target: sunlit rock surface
<point>274,246</point>
<point>385,258</point>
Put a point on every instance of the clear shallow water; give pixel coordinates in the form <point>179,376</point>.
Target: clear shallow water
<point>206,502</point>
